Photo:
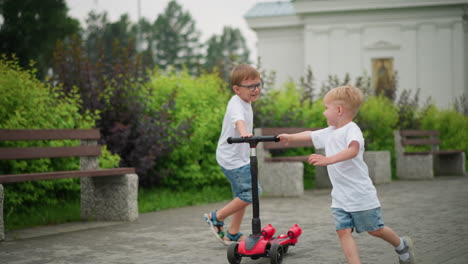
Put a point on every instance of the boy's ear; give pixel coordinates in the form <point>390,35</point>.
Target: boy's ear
<point>340,109</point>
<point>236,89</point>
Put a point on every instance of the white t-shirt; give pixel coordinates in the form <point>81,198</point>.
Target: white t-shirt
<point>233,156</point>
<point>352,187</point>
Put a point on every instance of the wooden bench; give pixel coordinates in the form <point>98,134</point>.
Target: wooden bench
<point>416,165</point>
<point>273,169</point>
<point>106,194</point>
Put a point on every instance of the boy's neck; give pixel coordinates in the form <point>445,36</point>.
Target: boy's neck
<point>343,122</point>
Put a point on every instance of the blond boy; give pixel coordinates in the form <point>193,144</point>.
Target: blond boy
<point>355,204</point>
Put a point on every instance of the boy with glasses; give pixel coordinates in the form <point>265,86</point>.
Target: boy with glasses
<point>234,160</point>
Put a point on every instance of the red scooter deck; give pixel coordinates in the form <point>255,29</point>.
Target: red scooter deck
<point>261,244</point>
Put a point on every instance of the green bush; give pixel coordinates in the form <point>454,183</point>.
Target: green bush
<point>377,119</point>
<point>27,103</point>
<point>452,125</point>
<point>285,108</point>
<point>200,101</point>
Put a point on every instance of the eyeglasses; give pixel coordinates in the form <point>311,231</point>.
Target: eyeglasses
<point>252,87</point>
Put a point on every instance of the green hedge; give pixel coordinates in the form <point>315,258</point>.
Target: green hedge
<point>27,103</point>
<point>200,102</point>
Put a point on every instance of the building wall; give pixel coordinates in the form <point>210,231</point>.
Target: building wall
<point>282,50</point>
<point>428,47</point>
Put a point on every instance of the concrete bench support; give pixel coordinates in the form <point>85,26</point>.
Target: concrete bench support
<point>280,179</point>
<point>425,165</point>
<point>378,163</point>
<point>110,198</point>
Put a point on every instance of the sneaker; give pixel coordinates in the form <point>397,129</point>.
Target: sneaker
<point>407,249</point>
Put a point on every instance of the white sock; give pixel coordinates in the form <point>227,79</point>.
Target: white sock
<point>401,246</point>
<point>404,256</point>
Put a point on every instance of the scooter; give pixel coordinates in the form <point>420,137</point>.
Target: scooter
<point>261,242</point>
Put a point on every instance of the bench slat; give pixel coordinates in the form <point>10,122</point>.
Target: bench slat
<point>272,131</point>
<point>287,159</point>
<point>49,152</point>
<point>435,152</point>
<point>415,133</point>
<point>48,134</point>
<point>10,178</point>
<point>420,142</point>
<point>279,145</point>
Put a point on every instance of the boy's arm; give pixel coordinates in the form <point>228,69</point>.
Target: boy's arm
<point>242,128</point>
<point>298,137</point>
<point>349,153</point>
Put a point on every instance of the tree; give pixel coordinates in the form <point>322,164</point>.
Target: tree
<point>30,29</point>
<point>176,39</point>
<point>225,50</point>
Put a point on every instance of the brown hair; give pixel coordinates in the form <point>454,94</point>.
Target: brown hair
<point>350,96</point>
<point>243,72</point>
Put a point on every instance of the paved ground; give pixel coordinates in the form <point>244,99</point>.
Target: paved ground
<point>434,213</point>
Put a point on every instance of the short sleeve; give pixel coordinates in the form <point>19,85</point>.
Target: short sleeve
<point>355,134</point>
<point>235,112</point>
<point>319,137</point>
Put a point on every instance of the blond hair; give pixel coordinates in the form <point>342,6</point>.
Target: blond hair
<point>243,72</point>
<point>350,96</point>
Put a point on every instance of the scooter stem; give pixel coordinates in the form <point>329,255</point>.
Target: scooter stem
<point>256,223</point>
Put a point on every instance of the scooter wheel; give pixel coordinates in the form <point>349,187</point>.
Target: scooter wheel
<point>233,255</point>
<point>285,249</point>
<point>276,254</point>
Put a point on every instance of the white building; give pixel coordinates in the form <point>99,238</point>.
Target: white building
<point>425,41</point>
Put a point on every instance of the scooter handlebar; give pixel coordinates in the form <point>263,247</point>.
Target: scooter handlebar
<point>253,140</point>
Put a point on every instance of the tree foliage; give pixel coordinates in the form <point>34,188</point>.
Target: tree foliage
<point>224,51</point>
<point>175,42</point>
<point>113,88</point>
<point>30,29</point>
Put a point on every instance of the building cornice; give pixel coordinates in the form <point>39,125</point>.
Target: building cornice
<point>304,7</point>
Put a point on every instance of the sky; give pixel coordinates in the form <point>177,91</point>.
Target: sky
<point>210,15</point>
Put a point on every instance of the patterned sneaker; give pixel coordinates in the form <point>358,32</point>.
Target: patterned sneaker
<point>407,249</point>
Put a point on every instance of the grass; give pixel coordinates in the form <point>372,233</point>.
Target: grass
<point>149,200</point>
<point>156,199</point>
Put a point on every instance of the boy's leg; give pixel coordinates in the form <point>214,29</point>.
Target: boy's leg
<point>387,234</point>
<point>403,245</point>
<point>231,208</point>
<point>348,244</point>
<point>236,221</point>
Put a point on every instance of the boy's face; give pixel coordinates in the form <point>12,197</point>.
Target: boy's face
<point>332,112</point>
<point>248,90</point>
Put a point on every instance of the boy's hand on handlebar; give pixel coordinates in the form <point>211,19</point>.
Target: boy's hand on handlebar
<point>246,135</point>
<point>284,138</point>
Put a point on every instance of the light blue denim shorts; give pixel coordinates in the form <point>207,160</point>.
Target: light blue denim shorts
<point>362,221</point>
<point>241,183</point>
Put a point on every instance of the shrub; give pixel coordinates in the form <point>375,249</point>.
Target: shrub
<point>452,125</point>
<point>377,119</point>
<point>112,86</point>
<point>28,103</point>
<point>201,103</point>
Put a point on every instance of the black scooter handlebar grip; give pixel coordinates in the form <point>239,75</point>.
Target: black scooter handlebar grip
<point>256,139</point>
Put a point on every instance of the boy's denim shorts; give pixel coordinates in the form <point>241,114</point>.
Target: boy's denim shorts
<point>241,183</point>
<point>362,221</point>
